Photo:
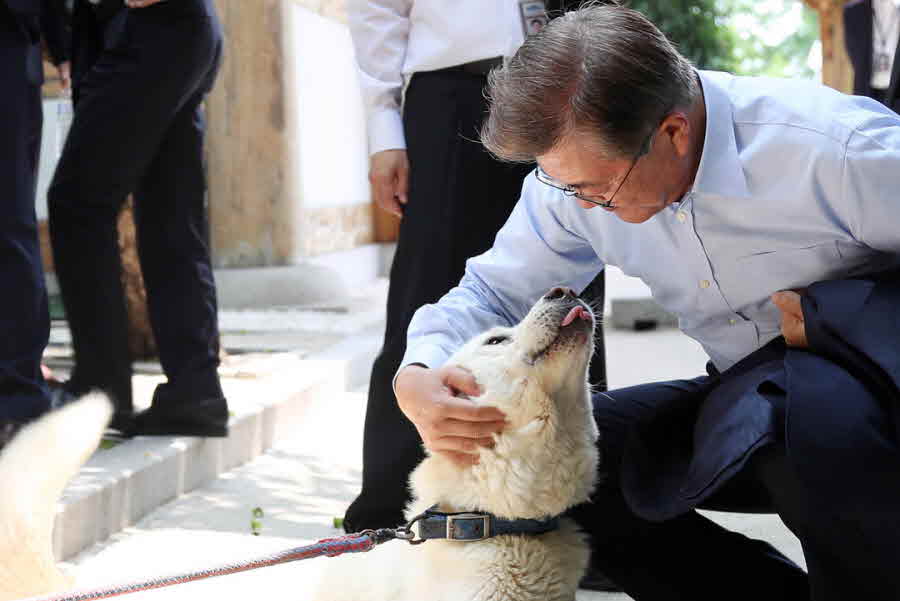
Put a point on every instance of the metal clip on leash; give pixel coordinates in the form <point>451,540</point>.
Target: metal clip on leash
<point>406,533</point>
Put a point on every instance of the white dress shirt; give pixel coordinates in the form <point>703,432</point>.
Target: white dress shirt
<point>797,183</point>
<point>885,36</point>
<point>395,38</point>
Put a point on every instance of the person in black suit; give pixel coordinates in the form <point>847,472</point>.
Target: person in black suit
<point>24,321</point>
<point>141,71</point>
<point>451,194</point>
<point>869,34</point>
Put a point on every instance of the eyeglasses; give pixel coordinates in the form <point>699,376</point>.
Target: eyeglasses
<point>568,190</point>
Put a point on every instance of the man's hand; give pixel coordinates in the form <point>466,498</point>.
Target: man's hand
<point>389,176</point>
<point>449,424</point>
<point>141,3</point>
<point>792,326</point>
<point>65,75</point>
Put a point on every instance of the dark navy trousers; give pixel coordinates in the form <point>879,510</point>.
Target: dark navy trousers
<point>851,552</point>
<point>459,198</point>
<point>139,128</point>
<point>24,322</point>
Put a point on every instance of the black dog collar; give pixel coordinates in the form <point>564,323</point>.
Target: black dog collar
<point>474,526</point>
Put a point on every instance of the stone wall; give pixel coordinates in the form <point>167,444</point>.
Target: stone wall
<point>837,71</point>
<point>261,209</point>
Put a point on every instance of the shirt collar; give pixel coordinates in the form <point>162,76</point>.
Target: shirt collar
<point>720,172</point>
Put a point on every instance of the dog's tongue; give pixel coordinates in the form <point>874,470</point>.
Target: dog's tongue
<point>576,313</point>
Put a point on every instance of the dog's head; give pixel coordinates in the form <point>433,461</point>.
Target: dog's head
<point>536,373</point>
<point>539,364</point>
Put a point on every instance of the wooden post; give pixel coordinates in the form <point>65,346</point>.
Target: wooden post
<point>837,71</point>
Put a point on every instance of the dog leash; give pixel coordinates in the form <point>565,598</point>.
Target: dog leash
<point>434,524</point>
<point>359,542</point>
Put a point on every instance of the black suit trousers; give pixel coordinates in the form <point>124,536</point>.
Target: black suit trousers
<point>24,321</point>
<point>850,554</point>
<point>459,197</point>
<point>139,128</point>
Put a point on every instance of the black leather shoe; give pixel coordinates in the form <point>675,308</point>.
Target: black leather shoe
<point>60,397</point>
<point>8,430</point>
<point>595,580</point>
<point>207,418</point>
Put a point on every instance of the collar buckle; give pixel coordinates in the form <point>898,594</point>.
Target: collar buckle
<point>468,527</point>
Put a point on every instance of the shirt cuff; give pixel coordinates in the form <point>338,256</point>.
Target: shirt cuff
<point>385,131</point>
<point>427,356</point>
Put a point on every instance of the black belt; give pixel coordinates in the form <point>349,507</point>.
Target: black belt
<point>482,67</point>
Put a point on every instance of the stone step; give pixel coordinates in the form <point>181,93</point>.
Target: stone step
<point>269,391</point>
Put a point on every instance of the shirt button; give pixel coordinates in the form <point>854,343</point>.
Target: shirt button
<point>681,216</point>
<point>704,284</point>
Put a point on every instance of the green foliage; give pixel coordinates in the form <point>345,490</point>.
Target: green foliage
<point>746,37</point>
<point>256,521</point>
<point>773,38</point>
<point>697,27</point>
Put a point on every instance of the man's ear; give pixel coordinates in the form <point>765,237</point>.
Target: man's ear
<point>677,128</point>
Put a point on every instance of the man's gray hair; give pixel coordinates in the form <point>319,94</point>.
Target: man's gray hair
<point>602,69</point>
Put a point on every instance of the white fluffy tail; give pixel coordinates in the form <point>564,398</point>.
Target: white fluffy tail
<point>34,469</point>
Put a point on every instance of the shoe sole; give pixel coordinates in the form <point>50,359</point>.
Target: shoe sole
<point>186,430</point>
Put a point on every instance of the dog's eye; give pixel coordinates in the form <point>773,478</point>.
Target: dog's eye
<point>496,340</point>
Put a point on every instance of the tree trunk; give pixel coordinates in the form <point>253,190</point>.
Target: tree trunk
<point>140,336</point>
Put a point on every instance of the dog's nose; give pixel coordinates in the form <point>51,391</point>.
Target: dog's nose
<point>560,293</point>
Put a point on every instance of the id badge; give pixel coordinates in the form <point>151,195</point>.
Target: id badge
<point>534,16</point>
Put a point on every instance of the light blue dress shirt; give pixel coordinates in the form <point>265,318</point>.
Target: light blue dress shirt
<point>797,183</point>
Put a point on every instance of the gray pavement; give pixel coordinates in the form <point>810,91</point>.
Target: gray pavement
<point>296,456</point>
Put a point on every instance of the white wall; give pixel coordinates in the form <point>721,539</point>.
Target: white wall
<point>57,118</point>
<point>332,157</point>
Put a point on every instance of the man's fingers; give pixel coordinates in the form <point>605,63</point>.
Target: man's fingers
<point>459,444</point>
<point>789,302</point>
<point>454,408</point>
<point>460,459</point>
<point>468,429</point>
<point>402,184</point>
<point>460,380</point>
<point>383,190</point>
<point>793,327</point>
<point>140,3</point>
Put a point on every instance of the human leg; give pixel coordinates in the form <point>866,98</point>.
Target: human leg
<point>688,558</point>
<point>455,187</point>
<point>106,153</point>
<point>833,480</point>
<point>24,321</point>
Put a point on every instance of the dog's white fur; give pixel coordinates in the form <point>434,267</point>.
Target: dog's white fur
<point>544,463</point>
<point>34,469</point>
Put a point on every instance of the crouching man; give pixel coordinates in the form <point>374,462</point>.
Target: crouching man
<point>731,197</point>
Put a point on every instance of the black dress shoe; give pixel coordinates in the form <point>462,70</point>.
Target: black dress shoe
<point>8,430</point>
<point>208,418</point>
<point>60,396</point>
<point>595,580</point>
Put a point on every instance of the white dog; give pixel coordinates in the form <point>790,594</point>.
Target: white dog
<point>34,468</point>
<point>542,464</point>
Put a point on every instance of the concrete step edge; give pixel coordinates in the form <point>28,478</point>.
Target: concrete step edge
<point>119,486</point>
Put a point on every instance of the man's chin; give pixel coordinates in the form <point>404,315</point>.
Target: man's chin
<point>635,215</point>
